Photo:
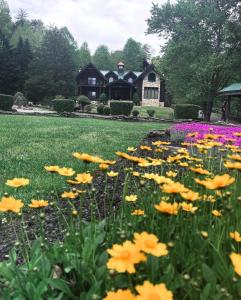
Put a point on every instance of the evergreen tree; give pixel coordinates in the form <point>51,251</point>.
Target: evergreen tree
<point>52,71</point>
<point>116,56</point>
<point>5,19</point>
<point>84,55</point>
<point>133,55</point>
<point>102,58</point>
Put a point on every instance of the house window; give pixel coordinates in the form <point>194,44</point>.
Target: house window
<point>151,93</point>
<point>111,79</point>
<point>130,80</point>
<point>91,81</point>
<point>92,95</point>
<point>152,77</point>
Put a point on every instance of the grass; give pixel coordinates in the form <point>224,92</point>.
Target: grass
<point>27,144</point>
<point>160,112</point>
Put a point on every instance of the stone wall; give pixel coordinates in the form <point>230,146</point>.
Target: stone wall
<point>156,84</point>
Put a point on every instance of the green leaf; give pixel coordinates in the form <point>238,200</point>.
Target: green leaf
<point>209,275</point>
<point>62,286</point>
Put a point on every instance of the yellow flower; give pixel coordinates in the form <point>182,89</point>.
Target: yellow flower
<point>236,261</point>
<point>38,203</point>
<point>69,195</point>
<point>216,213</point>
<point>131,198</point>
<point>66,171</point>
<point>183,164</point>
<point>149,291</point>
<point>167,208</point>
<point>235,157</point>
<point>125,257</point>
<point>136,174</point>
<point>120,295</point>
<point>84,178</point>
<point>233,165</point>
<point>237,134</point>
<point>171,174</point>
<point>112,174</point>
<point>235,236</point>
<point>131,149</point>
<point>188,207</point>
<point>103,167</point>
<point>204,234</point>
<point>147,148</point>
<point>52,169</point>
<point>219,181</point>
<point>200,171</point>
<point>17,182</point>
<point>10,204</point>
<point>190,195</point>
<point>148,243</point>
<point>192,135</point>
<point>138,212</point>
<point>88,158</point>
<point>174,188</point>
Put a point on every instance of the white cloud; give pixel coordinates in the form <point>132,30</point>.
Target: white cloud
<point>108,22</point>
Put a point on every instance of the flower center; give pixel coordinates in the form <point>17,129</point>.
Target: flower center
<point>125,254</point>
<point>150,244</point>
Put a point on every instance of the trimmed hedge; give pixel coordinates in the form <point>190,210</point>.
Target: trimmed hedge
<point>186,111</point>
<point>100,108</point>
<point>106,110</point>
<point>6,102</point>
<point>135,113</point>
<point>63,105</point>
<point>118,107</point>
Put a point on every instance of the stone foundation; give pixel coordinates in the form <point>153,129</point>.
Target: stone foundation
<point>152,102</point>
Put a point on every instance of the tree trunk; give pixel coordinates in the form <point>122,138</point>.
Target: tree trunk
<point>208,106</point>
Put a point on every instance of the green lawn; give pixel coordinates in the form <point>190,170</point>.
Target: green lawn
<point>160,112</point>
<point>27,144</point>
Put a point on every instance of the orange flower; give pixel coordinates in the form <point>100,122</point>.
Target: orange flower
<point>52,169</point>
<point>66,172</point>
<point>188,207</point>
<point>10,204</point>
<point>38,203</point>
<point>190,195</point>
<point>233,165</point>
<point>235,157</point>
<point>171,174</point>
<point>148,243</point>
<point>156,292</point>
<point>131,198</point>
<point>88,158</point>
<point>125,257</point>
<point>236,261</point>
<point>174,188</point>
<point>200,171</point>
<point>120,295</point>
<point>167,208</point>
<point>147,148</point>
<point>216,213</point>
<point>69,195</point>
<point>17,182</point>
<point>84,178</point>
<point>217,182</point>
<point>103,167</point>
<point>138,212</point>
<point>235,236</point>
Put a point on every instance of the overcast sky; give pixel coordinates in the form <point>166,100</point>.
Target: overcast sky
<point>109,22</point>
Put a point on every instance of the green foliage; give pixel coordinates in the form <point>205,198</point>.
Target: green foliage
<point>88,108</point>
<point>103,98</point>
<point>151,112</point>
<point>106,110</point>
<point>63,105</point>
<point>84,55</point>
<point>100,108</point>
<point>6,102</point>
<point>83,101</point>
<point>5,19</point>
<point>59,97</point>
<point>136,99</point>
<point>19,99</point>
<point>133,55</point>
<point>135,113</point>
<point>102,58</point>
<point>186,111</point>
<point>118,107</point>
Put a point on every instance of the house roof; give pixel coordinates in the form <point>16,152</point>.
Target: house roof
<point>233,89</point>
<point>122,75</point>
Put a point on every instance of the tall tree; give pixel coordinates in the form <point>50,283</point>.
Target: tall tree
<point>84,55</point>
<point>116,56</point>
<point>5,19</point>
<point>102,58</point>
<point>133,55</point>
<point>203,39</point>
<point>52,71</point>
<point>21,17</point>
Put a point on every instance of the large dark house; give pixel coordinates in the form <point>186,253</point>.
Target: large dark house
<point>121,84</point>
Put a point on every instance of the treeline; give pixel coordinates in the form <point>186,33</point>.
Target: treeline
<point>42,62</point>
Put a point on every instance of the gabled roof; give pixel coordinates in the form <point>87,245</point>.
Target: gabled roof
<point>233,89</point>
<point>148,69</point>
<point>89,66</point>
<point>120,80</point>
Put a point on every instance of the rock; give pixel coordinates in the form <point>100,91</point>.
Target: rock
<point>156,133</point>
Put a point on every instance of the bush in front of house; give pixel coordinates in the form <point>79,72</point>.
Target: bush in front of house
<point>103,98</point>
<point>83,101</point>
<point>186,111</point>
<point>6,102</point>
<point>106,110</point>
<point>135,113</point>
<point>88,108</point>
<point>100,108</point>
<point>118,107</point>
<point>151,112</point>
<point>63,105</point>
<point>19,100</point>
<point>136,99</point>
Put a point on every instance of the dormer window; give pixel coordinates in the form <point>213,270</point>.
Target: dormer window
<point>152,77</point>
<point>111,79</point>
<point>130,80</point>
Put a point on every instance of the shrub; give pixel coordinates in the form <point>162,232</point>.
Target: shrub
<point>19,100</point>
<point>151,112</point>
<point>106,110</point>
<point>135,113</point>
<point>88,108</point>
<point>118,107</point>
<point>103,98</point>
<point>6,102</point>
<point>100,108</point>
<point>136,99</point>
<point>63,105</point>
<point>83,100</point>
<point>186,111</point>
<point>59,97</point>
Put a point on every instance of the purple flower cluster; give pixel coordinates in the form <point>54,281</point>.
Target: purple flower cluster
<point>227,132</point>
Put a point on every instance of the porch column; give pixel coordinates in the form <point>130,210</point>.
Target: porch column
<point>228,105</point>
